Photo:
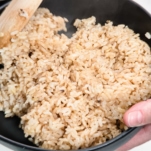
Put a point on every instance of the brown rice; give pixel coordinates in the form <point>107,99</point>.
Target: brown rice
<point>70,93</point>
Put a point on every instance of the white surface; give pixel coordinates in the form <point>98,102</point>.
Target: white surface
<point>145,3</point>
<point>3,148</point>
<point>147,146</point>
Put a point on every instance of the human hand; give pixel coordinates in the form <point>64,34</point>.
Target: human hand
<point>138,115</point>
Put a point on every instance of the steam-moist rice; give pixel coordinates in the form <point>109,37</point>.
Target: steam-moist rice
<point>71,93</point>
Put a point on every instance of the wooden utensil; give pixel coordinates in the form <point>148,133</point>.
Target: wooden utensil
<point>15,17</point>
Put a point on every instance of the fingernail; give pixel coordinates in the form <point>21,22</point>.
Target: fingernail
<point>135,118</point>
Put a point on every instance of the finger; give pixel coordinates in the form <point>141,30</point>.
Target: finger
<point>141,137</point>
<point>139,114</point>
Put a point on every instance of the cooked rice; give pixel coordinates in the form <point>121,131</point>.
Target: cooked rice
<point>148,35</point>
<point>71,93</point>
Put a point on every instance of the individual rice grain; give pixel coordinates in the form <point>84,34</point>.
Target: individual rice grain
<point>148,35</point>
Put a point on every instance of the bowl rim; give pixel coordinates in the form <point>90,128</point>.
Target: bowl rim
<point>141,7</point>
<point>123,134</point>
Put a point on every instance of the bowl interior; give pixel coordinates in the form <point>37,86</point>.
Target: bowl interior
<point>120,12</point>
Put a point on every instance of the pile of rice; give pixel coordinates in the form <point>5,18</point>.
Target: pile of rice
<point>71,93</point>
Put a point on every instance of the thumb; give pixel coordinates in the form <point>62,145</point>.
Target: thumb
<point>139,114</point>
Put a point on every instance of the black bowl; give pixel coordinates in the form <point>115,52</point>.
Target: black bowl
<point>118,11</point>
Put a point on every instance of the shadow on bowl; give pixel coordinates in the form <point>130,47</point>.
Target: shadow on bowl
<point>120,12</point>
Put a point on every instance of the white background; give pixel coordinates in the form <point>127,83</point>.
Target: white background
<point>147,146</point>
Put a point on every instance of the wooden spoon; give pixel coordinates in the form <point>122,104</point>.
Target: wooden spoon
<point>15,17</point>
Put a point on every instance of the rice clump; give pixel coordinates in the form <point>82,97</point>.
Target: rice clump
<point>71,93</point>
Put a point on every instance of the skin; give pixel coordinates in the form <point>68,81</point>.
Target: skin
<point>138,115</point>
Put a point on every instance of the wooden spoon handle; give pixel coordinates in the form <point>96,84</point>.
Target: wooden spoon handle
<point>15,17</point>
